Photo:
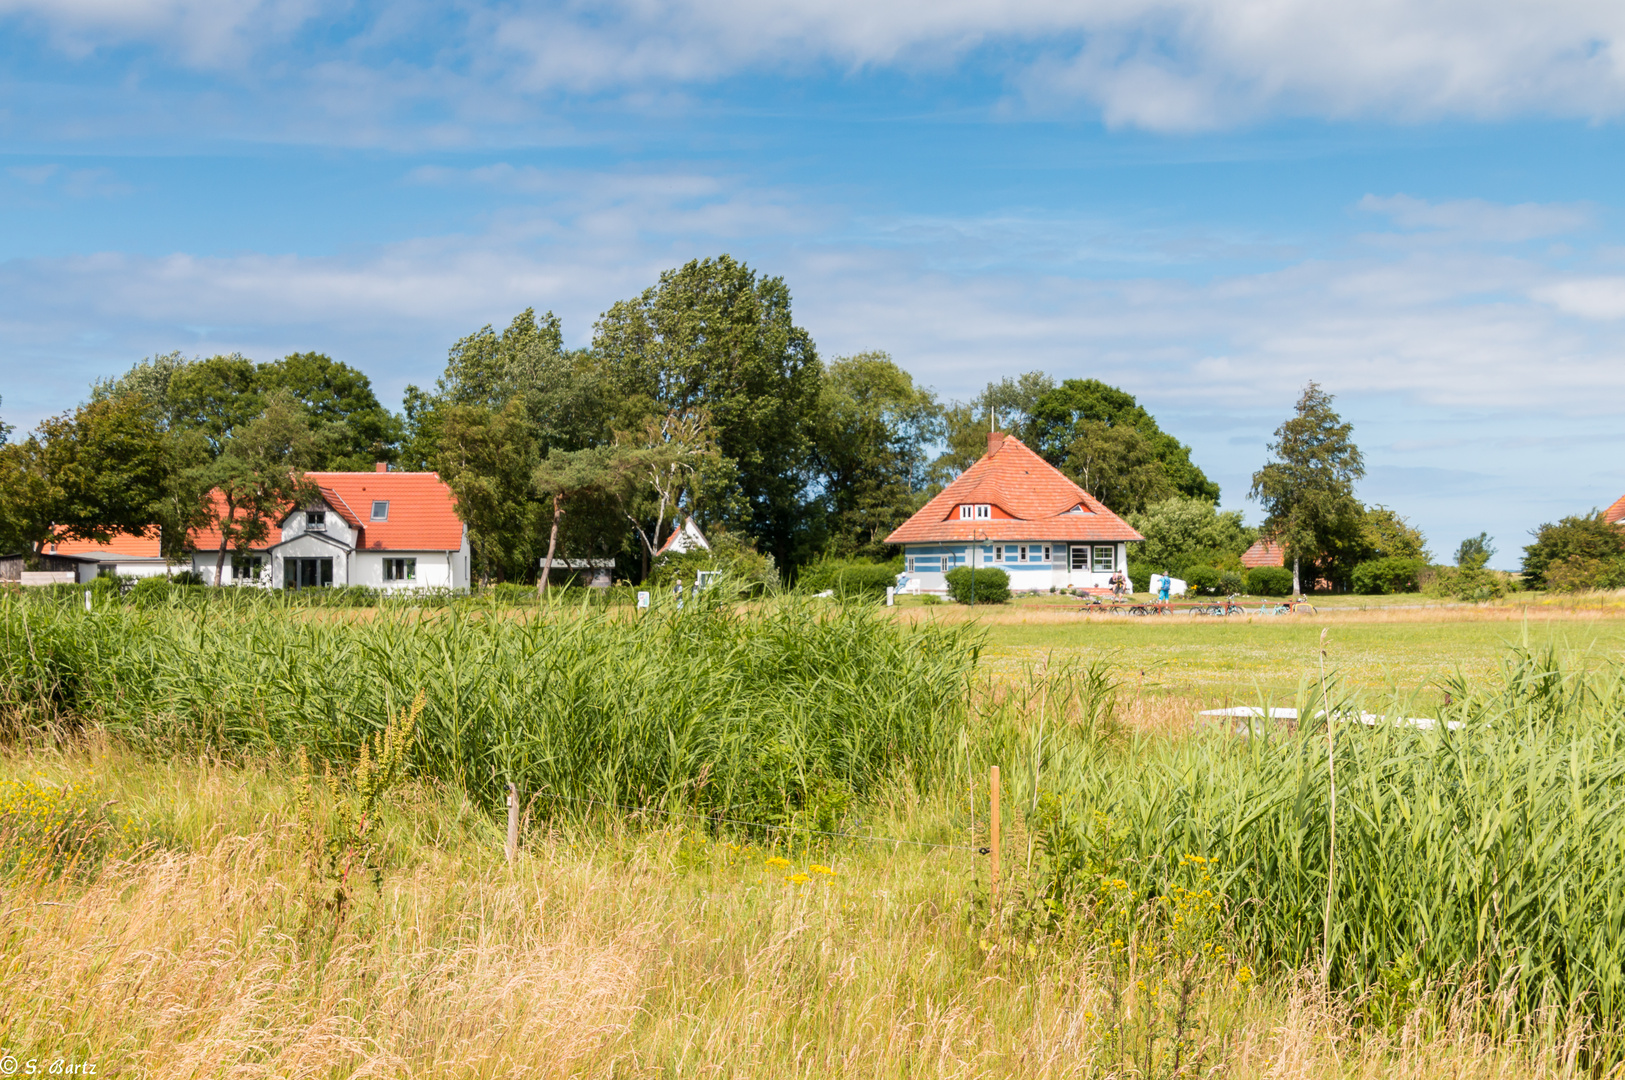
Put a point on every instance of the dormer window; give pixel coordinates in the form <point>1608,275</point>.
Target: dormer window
<point>315,520</point>
<point>975,511</point>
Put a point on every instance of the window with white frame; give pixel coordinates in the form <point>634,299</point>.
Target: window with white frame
<point>1105,558</point>
<point>400,569</point>
<point>1046,553</point>
<point>246,567</point>
<point>909,564</point>
<point>984,511</point>
<point>998,552</point>
<point>1080,558</point>
<point>380,510</point>
<point>1023,556</point>
<point>315,520</point>
<point>965,510</point>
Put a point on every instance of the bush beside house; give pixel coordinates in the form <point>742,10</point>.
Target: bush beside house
<point>1379,577</point>
<point>1269,581</point>
<point>992,585</point>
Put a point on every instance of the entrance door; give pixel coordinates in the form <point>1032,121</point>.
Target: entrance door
<point>307,573</point>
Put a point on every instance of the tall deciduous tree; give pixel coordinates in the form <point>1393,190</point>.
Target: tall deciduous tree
<point>91,474</point>
<point>565,475</point>
<point>714,335</point>
<point>871,436</point>
<point>489,458</point>
<point>1117,465</point>
<point>1307,491</point>
<point>258,477</point>
<point>1066,412</point>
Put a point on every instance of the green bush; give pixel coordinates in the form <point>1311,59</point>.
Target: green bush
<point>1201,581</point>
<point>1139,577</point>
<point>1231,582</point>
<point>1269,581</point>
<point>1383,576</point>
<point>992,585</point>
<point>849,579</point>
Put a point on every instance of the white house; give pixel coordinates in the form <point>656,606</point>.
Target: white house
<point>124,555</point>
<point>683,540</point>
<point>386,530</point>
<point>1015,511</point>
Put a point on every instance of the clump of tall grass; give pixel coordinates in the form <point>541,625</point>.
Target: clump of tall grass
<point>716,709</point>
<point>1490,853</point>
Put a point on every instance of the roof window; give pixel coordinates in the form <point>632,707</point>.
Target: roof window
<point>380,510</point>
<point>975,511</point>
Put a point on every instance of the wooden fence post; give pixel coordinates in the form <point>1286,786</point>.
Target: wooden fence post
<point>513,823</point>
<point>993,845</point>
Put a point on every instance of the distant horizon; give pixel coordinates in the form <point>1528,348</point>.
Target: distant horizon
<point>1206,206</point>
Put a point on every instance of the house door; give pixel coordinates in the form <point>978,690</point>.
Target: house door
<point>306,573</point>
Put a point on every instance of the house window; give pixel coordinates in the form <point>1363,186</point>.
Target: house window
<point>315,520</point>
<point>400,569</point>
<point>965,511</point>
<point>307,573</point>
<point>1023,556</point>
<point>910,564</point>
<point>1046,553</point>
<point>380,510</point>
<point>998,553</point>
<point>1080,558</point>
<point>246,567</point>
<point>984,511</point>
<point>1105,558</point>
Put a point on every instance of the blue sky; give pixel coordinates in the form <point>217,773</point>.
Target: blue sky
<point>1207,202</point>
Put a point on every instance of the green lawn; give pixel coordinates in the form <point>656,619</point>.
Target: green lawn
<point>1390,646</point>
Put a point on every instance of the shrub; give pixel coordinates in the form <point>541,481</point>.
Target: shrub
<point>1383,576</point>
<point>1201,580</point>
<point>1581,541</point>
<point>849,579</point>
<point>187,577</point>
<point>1463,583</point>
<point>1231,582</point>
<point>992,585</point>
<point>1269,581</point>
<point>1139,577</point>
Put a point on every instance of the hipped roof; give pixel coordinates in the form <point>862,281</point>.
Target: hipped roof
<point>1042,503</point>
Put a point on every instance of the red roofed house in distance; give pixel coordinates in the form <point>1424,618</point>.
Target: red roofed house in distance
<point>1015,511</point>
<point>386,530</point>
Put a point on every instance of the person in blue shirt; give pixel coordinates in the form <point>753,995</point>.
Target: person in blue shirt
<point>1163,589</point>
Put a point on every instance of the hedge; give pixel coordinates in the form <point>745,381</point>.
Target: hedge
<point>850,579</point>
<point>1269,581</point>
<point>992,585</point>
<point>1391,575</point>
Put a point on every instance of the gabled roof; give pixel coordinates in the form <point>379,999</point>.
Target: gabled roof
<point>1616,513</point>
<point>1264,552</point>
<point>1041,502</point>
<point>422,512</point>
<point>685,539</point>
<point>123,545</point>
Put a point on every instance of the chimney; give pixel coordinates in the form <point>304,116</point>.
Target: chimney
<point>382,466</point>
<point>995,439</point>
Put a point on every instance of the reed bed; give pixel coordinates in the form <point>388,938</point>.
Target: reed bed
<point>752,713</point>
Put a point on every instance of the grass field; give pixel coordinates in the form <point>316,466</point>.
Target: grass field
<point>178,899</point>
<point>1382,644</point>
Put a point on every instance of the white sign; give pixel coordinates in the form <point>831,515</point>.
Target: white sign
<point>643,600</point>
<point>891,595</point>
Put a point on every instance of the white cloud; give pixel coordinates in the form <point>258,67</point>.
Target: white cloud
<point>1158,64</point>
<point>1592,298</point>
<point>1477,219</point>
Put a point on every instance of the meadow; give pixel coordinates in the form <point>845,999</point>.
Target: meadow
<point>752,845</point>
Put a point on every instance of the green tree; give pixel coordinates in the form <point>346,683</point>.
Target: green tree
<point>489,458</point>
<point>101,470</point>
<point>714,335</point>
<point>1006,405</point>
<point>1579,550</point>
<point>352,430</point>
<point>663,466</point>
<point>566,475</point>
<point>1059,417</point>
<point>1387,535</point>
<point>1307,491</point>
<point>871,439</point>
<point>1117,465</point>
<point>1475,552</point>
<point>257,478</point>
<point>1185,529</point>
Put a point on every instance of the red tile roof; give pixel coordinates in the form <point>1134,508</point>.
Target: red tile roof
<point>1042,503</point>
<point>1616,513</point>
<point>422,512</point>
<point>1264,552</point>
<point>124,544</point>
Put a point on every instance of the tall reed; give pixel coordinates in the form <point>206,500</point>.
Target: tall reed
<point>726,711</point>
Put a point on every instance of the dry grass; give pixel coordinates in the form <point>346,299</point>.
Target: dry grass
<point>601,954</point>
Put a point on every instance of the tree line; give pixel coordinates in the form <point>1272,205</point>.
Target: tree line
<point>700,396</point>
